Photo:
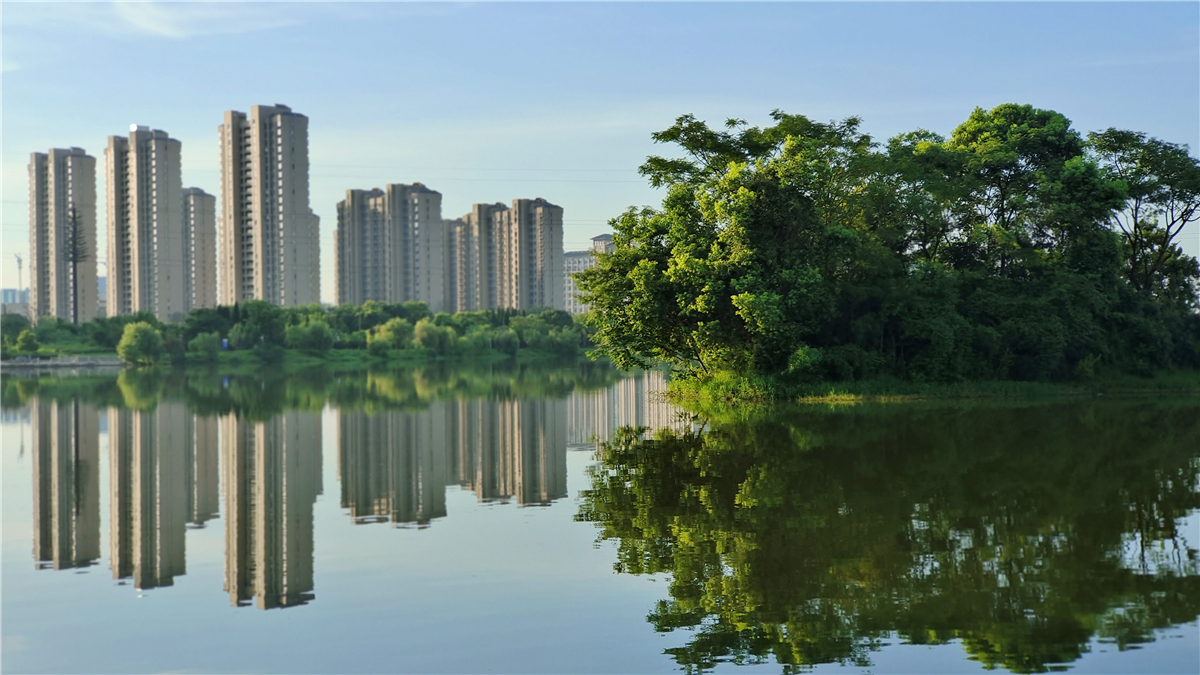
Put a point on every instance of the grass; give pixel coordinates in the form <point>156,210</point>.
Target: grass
<point>726,389</point>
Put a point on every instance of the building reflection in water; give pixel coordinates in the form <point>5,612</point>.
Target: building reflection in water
<point>395,466</point>
<point>169,469</point>
<point>66,484</point>
<point>271,472</point>
<point>203,470</point>
<point>149,492</point>
<point>636,401</point>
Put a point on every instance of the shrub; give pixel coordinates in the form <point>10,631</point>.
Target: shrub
<point>140,344</point>
<point>204,348</point>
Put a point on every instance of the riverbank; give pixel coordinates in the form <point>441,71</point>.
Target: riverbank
<point>724,390</point>
<point>60,364</point>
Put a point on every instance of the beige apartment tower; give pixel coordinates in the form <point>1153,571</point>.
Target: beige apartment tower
<point>529,255</point>
<point>62,201</point>
<point>475,257</point>
<point>200,229</point>
<point>147,248</point>
<point>268,241</point>
<point>392,246</point>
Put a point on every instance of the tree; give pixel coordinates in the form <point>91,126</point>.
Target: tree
<point>1018,182</point>
<point>739,267</point>
<point>11,325</point>
<point>1162,195</point>
<point>140,344</point>
<point>315,336</point>
<point>396,333</point>
<point>75,252</point>
<point>26,342</point>
<point>205,348</point>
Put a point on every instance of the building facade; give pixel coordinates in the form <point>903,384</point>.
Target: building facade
<point>578,261</point>
<point>200,230</point>
<point>475,261</point>
<point>392,245</point>
<point>268,239</point>
<point>148,251</point>
<point>62,205</point>
<point>529,254</point>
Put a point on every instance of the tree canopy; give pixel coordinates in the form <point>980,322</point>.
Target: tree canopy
<point>808,251</point>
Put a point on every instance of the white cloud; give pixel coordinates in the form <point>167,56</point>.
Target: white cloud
<point>184,20</point>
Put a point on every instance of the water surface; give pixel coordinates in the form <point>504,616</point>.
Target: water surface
<point>569,520</point>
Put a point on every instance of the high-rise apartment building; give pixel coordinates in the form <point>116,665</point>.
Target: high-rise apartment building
<point>529,254</point>
<point>200,230</point>
<point>148,251</point>
<point>475,257</point>
<point>269,247</point>
<point>393,246</point>
<point>62,206</point>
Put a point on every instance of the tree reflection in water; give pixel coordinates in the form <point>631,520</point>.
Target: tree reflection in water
<point>812,536</point>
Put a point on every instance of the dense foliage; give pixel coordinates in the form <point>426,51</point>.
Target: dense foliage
<point>263,329</point>
<point>1015,249</point>
<point>809,536</point>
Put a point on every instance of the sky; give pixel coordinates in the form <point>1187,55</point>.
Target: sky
<point>489,102</point>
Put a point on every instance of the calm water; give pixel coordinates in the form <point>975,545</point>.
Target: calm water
<point>568,520</point>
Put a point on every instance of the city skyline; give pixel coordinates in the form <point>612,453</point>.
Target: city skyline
<point>620,72</point>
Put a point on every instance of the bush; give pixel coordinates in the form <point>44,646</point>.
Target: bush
<point>315,336</point>
<point>395,333</point>
<point>204,348</point>
<point>26,342</point>
<point>140,344</point>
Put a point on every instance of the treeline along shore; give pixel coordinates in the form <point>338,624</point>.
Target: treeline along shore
<point>259,333</point>
<point>806,256</point>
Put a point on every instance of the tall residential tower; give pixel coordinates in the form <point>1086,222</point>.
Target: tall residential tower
<point>148,252</point>
<point>62,206</point>
<point>268,238</point>
<point>529,254</point>
<point>200,229</point>
<point>392,246</point>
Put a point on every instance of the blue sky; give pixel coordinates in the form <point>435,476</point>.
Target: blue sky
<point>489,102</point>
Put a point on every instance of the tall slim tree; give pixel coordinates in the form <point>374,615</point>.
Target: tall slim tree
<point>76,252</point>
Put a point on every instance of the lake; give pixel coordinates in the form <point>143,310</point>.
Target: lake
<point>567,519</point>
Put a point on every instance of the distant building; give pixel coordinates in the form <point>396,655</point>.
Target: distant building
<point>578,261</point>
<point>269,247</point>
<point>62,187</point>
<point>13,301</point>
<point>148,251</point>
<point>573,262</point>
<point>392,245</point>
<point>529,255</point>
<point>200,230</point>
<point>475,261</point>
<point>10,296</point>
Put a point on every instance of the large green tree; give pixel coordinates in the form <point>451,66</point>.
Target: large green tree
<point>804,251</point>
<point>1162,195</point>
<point>740,264</point>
